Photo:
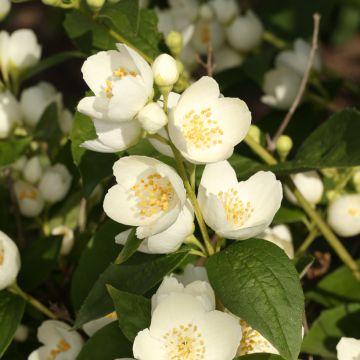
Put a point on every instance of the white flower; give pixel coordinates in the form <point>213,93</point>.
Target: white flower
<point>348,349</point>
<point>152,118</point>
<point>344,215</point>
<point>113,137</point>
<point>55,183</point>
<point>29,198</point>
<point>309,184</point>
<point>189,7</point>
<point>204,126</point>
<point>19,51</point>
<point>245,32</point>
<point>122,82</point>
<point>192,273</point>
<point>9,261</point>
<point>280,235</point>
<point>5,6</point>
<point>181,326</point>
<point>32,170</point>
<point>21,333</point>
<point>149,194</point>
<point>297,59</point>
<point>35,99</point>
<point>60,342</point>
<point>200,290</point>
<point>238,210</point>
<point>227,58</point>
<point>168,240</point>
<point>253,342</point>
<point>280,86</point>
<point>225,10</point>
<point>65,121</point>
<point>165,70</point>
<point>10,113</point>
<point>206,32</point>
<point>67,240</point>
<point>94,326</point>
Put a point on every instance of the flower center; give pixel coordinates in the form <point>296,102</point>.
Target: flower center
<point>154,194</point>
<point>28,194</point>
<point>237,212</point>
<point>200,130</point>
<point>185,343</point>
<point>252,341</point>
<point>118,73</point>
<point>112,316</point>
<point>2,253</point>
<point>353,212</point>
<point>61,347</point>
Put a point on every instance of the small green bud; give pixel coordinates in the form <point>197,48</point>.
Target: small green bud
<point>331,195</point>
<point>95,5</point>
<point>255,133</point>
<point>180,66</point>
<point>174,41</point>
<point>356,181</point>
<point>284,145</point>
<point>182,84</point>
<point>56,3</point>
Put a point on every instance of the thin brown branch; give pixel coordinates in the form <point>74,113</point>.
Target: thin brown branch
<point>304,81</point>
<point>209,65</point>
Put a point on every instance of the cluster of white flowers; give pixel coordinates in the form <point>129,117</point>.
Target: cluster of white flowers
<point>281,84</point>
<point>40,183</point>
<point>221,23</point>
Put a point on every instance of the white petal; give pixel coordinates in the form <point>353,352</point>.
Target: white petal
<point>95,107</point>
<point>147,347</point>
<point>348,349</point>
<point>98,146</point>
<point>123,237</point>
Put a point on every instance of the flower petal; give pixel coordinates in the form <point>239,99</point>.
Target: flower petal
<point>95,107</point>
<point>147,347</point>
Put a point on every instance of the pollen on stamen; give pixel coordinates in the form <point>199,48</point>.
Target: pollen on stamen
<point>201,130</point>
<point>61,347</point>
<point>122,72</point>
<point>237,211</point>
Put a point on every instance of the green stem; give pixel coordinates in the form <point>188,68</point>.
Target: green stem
<point>197,253</point>
<point>313,234</point>
<point>32,301</point>
<point>192,173</point>
<point>332,239</point>
<point>192,240</point>
<point>274,40</point>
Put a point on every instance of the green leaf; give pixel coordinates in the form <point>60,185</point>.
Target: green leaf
<point>86,33</point>
<point>99,252</point>
<point>12,149</point>
<point>336,288</point>
<point>106,344</point>
<point>130,247</point>
<point>287,215</point>
<point>88,161</point>
<point>331,325</point>
<point>259,356</point>
<point>11,312</point>
<point>135,278</point>
<point>133,311</point>
<point>256,281</point>
<point>50,62</point>
<point>302,263</point>
<point>137,27</point>
<point>38,260</point>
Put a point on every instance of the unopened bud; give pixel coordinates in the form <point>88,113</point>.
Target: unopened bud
<point>206,12</point>
<point>331,195</point>
<point>356,181</point>
<point>174,42</point>
<point>56,3</point>
<point>32,170</point>
<point>5,6</point>
<point>255,133</point>
<point>152,118</point>
<point>95,5</point>
<point>165,70</point>
<point>284,145</point>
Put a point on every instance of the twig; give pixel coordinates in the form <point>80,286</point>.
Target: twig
<point>82,215</point>
<point>303,84</point>
<point>209,66</point>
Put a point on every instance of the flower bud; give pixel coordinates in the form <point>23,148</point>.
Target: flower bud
<point>174,41</point>
<point>9,261</point>
<point>10,114</point>
<point>344,215</point>
<point>356,181</point>
<point>331,195</point>
<point>55,183</point>
<point>34,101</point>
<point>32,171</point>
<point>284,145</point>
<point>56,3</point>
<point>95,5</point>
<point>5,6</point>
<point>225,10</point>
<point>255,133</point>
<point>21,333</point>
<point>29,198</point>
<point>152,118</point>
<point>67,240</point>
<point>66,121</point>
<point>165,70</point>
<point>245,33</point>
<point>309,184</point>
